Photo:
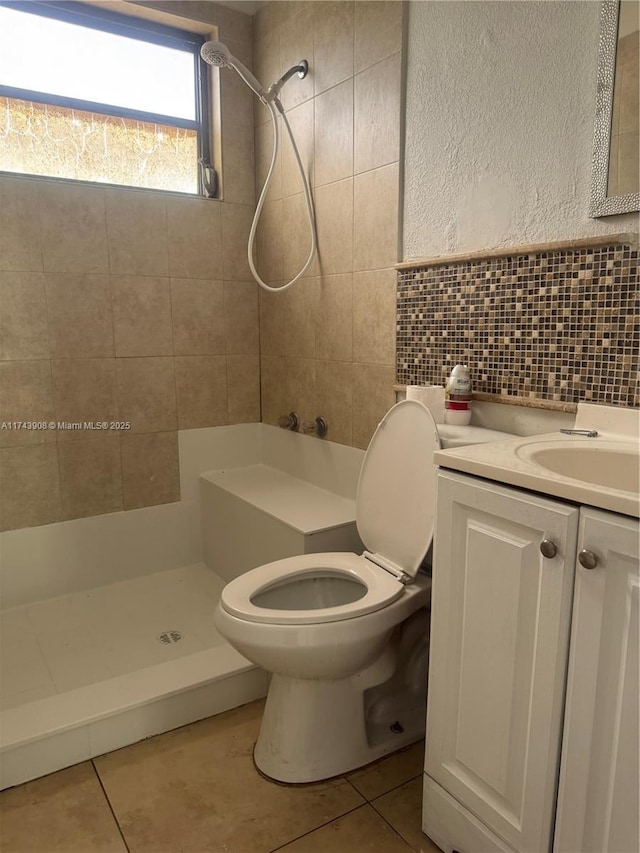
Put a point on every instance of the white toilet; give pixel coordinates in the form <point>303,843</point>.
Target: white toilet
<point>346,635</point>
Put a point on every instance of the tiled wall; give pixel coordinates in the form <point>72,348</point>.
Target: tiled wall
<point>327,345</point>
<point>123,305</point>
<point>559,325</point>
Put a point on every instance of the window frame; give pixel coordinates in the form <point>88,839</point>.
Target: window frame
<point>142,30</point>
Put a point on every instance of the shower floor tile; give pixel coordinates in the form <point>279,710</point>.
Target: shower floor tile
<point>68,642</point>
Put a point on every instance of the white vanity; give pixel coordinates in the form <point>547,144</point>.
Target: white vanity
<point>532,722</point>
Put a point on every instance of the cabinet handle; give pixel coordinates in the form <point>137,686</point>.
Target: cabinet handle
<point>588,559</point>
<point>548,548</point>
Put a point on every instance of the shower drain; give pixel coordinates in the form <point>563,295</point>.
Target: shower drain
<point>168,637</point>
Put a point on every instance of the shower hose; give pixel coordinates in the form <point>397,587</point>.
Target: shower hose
<point>276,107</point>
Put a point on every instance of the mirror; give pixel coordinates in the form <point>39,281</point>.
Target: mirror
<point>616,156</point>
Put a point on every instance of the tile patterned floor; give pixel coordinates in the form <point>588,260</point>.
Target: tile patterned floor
<point>195,790</point>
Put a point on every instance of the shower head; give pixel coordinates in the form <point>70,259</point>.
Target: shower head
<point>218,54</point>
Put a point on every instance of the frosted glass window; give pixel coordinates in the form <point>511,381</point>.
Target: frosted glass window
<point>96,96</point>
<point>57,142</point>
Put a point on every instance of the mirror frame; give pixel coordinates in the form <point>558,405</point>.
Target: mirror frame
<point>601,204</point>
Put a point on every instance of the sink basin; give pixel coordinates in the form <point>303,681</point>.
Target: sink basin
<point>613,465</point>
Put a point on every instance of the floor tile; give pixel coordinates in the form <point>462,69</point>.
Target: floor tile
<point>66,812</point>
<point>196,789</point>
<point>402,808</point>
<point>389,772</point>
<point>359,831</point>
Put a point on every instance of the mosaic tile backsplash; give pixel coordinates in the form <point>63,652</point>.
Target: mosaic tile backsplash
<point>561,325</point>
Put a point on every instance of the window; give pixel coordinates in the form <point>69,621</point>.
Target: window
<point>95,96</point>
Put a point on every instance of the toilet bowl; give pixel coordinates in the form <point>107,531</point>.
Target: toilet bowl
<point>345,636</point>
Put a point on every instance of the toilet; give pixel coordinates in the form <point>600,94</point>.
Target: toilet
<point>344,635</point>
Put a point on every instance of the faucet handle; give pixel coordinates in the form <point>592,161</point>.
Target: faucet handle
<point>289,421</point>
<point>320,427</point>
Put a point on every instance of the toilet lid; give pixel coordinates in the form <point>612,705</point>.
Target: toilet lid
<point>395,504</point>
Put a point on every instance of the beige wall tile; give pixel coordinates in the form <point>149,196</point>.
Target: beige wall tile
<point>375,219</point>
<point>269,244</point>
<point>90,477</point>
<point>150,469</point>
<point>73,226</point>
<point>233,25</point>
<point>236,225</point>
<point>238,163</point>
<point>30,494</point>
<point>300,305</point>
<point>297,238</point>
<point>23,316</point>
<point>373,396</point>
<point>241,317</point>
<point>201,388</point>
<point>264,152</point>
<point>136,233</point>
<point>273,388</point>
<point>374,317</point>
<point>334,215</point>
<point>333,43</point>
<point>376,99</point>
<point>301,387</point>
<point>26,394</point>
<point>80,316</point>
<point>243,378</point>
<point>85,391</point>
<point>195,237</point>
<point>20,244</point>
<point>334,326</point>
<point>267,65</point>
<point>64,811</point>
<point>198,316</point>
<point>334,134</point>
<point>301,121</point>
<point>269,18</point>
<point>334,398</point>
<point>378,30</point>
<point>146,393</point>
<point>273,323</point>
<point>236,99</point>
<point>141,315</point>
<point>297,43</point>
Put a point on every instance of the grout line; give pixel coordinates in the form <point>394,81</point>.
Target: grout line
<point>395,787</point>
<point>320,826</point>
<point>106,796</point>
<point>392,827</point>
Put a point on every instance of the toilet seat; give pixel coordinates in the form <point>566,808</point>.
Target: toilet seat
<point>380,588</point>
<point>394,515</point>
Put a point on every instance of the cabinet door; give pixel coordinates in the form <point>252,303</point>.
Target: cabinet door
<point>499,648</point>
<point>599,791</point>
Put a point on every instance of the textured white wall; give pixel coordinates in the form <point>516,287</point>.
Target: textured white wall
<point>499,125</point>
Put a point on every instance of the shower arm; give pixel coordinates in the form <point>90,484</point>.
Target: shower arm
<point>301,69</point>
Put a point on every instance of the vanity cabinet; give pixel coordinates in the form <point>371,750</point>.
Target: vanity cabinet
<point>502,597</point>
<point>599,785</point>
<point>498,653</point>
